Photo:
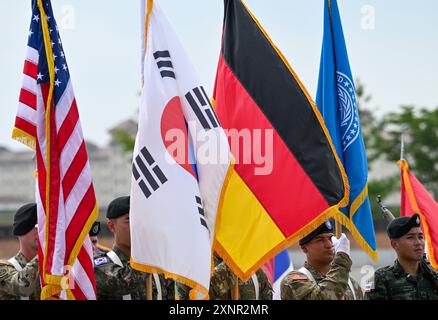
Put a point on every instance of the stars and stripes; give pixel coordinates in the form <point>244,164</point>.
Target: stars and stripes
<point>48,121</point>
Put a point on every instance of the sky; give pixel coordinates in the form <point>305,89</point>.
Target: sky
<point>392,47</point>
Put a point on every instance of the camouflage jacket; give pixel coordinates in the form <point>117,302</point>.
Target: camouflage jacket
<point>332,286</point>
<point>114,282</point>
<point>222,282</point>
<point>15,284</point>
<point>393,283</point>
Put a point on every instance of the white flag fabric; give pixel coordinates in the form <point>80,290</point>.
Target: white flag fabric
<point>180,163</point>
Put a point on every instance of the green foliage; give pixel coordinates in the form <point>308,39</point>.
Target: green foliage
<point>420,132</point>
<point>383,187</point>
<point>125,139</point>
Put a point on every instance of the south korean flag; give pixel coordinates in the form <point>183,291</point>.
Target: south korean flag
<point>180,162</point>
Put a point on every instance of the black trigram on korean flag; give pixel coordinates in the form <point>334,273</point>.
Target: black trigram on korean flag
<point>148,176</point>
<point>198,100</point>
<point>201,211</point>
<point>164,64</point>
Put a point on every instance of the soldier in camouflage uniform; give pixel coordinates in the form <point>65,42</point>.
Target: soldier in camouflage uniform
<point>19,276</point>
<point>409,278</point>
<point>326,273</point>
<point>98,249</point>
<point>223,280</point>
<point>115,278</point>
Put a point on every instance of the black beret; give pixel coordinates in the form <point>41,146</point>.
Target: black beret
<point>326,227</point>
<point>118,207</point>
<point>25,219</point>
<point>95,229</point>
<point>400,226</point>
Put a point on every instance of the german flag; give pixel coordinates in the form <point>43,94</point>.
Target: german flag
<point>256,91</point>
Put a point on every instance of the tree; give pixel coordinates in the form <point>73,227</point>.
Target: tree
<point>420,132</point>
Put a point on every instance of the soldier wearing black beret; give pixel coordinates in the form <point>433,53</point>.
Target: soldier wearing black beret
<point>115,278</point>
<point>19,276</point>
<point>97,247</point>
<point>326,272</point>
<point>409,278</point>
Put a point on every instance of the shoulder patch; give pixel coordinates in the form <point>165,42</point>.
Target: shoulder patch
<point>100,261</point>
<point>298,277</point>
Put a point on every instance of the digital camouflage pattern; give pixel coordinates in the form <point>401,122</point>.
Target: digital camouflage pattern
<point>393,283</point>
<point>113,282</point>
<point>15,284</point>
<point>222,282</point>
<point>332,286</point>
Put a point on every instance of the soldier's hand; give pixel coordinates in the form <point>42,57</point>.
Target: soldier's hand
<point>342,244</point>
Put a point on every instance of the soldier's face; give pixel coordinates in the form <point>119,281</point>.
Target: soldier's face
<point>120,228</point>
<point>320,249</point>
<point>411,245</point>
<point>30,239</point>
<point>94,244</point>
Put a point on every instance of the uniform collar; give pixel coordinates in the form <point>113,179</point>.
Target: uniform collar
<point>123,257</point>
<point>21,259</point>
<point>315,273</point>
<point>399,271</point>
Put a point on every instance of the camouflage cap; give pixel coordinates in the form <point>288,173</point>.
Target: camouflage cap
<point>95,229</point>
<point>326,227</point>
<point>118,207</point>
<point>25,219</point>
<point>400,226</point>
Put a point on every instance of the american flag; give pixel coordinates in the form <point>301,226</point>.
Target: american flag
<point>48,121</point>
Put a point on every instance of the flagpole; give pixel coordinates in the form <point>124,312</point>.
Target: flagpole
<point>402,148</point>
<point>338,229</point>
<point>236,287</point>
<point>149,287</point>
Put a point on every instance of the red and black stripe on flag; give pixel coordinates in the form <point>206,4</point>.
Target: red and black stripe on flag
<point>256,89</point>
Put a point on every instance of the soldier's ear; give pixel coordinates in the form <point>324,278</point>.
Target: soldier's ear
<point>394,244</point>
<point>111,226</point>
<point>304,248</point>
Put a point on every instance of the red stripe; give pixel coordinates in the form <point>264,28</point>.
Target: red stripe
<point>68,125</point>
<point>28,98</point>
<point>40,262</point>
<point>87,264</point>
<point>77,292</point>
<point>41,176</point>
<point>77,224</point>
<point>287,193</point>
<point>25,126</point>
<point>74,170</point>
<point>53,184</point>
<point>30,69</point>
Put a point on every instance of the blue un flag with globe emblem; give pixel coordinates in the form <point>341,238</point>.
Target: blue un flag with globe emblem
<point>336,100</point>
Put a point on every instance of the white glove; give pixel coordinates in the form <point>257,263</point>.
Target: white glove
<point>342,244</point>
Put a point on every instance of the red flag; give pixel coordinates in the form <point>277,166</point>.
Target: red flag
<point>416,199</point>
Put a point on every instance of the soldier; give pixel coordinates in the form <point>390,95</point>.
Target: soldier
<point>19,276</point>
<point>223,280</point>
<point>98,249</point>
<point>115,278</point>
<point>410,278</point>
<point>326,273</point>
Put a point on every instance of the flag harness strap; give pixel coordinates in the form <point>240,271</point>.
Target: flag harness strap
<point>311,278</point>
<point>256,285</point>
<point>115,258</point>
<point>17,267</point>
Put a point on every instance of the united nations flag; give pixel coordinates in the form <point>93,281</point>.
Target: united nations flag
<point>336,100</point>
